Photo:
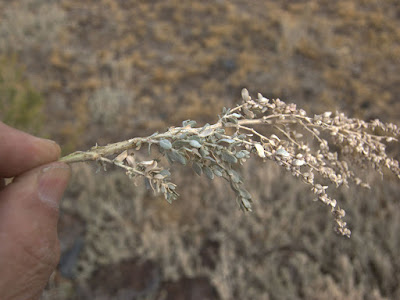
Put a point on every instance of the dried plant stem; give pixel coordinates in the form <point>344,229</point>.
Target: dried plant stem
<point>97,152</point>
<point>213,151</point>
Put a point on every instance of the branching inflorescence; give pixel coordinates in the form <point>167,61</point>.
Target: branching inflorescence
<point>316,149</point>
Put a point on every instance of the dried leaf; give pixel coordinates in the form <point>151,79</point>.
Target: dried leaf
<point>248,112</point>
<point>298,162</point>
<point>148,162</point>
<point>121,157</point>
<point>260,150</point>
<point>282,152</point>
<point>273,136</point>
<point>245,95</point>
<point>131,161</point>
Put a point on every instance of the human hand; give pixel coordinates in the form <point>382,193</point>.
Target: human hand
<point>29,246</point>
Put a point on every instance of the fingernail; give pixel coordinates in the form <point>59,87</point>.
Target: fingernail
<point>53,180</point>
<point>46,143</point>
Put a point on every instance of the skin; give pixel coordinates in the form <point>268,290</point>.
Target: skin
<point>29,246</point>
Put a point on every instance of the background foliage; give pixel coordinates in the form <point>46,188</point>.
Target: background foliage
<point>21,105</point>
<point>176,60</point>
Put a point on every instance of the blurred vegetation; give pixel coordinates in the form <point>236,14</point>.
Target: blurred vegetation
<point>21,106</point>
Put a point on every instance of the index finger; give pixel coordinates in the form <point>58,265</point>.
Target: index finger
<point>20,152</point>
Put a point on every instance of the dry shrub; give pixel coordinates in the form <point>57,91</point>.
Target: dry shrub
<point>30,27</point>
<point>106,104</point>
<point>284,249</point>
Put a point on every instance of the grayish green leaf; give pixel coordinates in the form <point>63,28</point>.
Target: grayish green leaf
<point>195,144</point>
<point>197,168</point>
<point>194,138</point>
<point>176,156</point>
<point>229,141</point>
<point>206,132</point>
<point>165,144</point>
<point>236,115</point>
<point>232,120</point>
<point>246,204</point>
<point>244,193</point>
<point>243,154</point>
<point>217,172</point>
<point>154,134</point>
<point>228,157</point>
<point>165,173</point>
<point>203,152</point>
<point>190,123</point>
<point>210,158</point>
<point>209,173</point>
<point>179,144</point>
<point>234,176</point>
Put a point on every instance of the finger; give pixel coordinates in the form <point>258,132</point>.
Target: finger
<point>2,183</point>
<point>29,248</point>
<point>20,152</point>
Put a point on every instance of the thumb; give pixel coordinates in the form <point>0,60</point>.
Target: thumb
<point>29,247</point>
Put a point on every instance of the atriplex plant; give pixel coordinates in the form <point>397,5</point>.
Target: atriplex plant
<point>316,149</point>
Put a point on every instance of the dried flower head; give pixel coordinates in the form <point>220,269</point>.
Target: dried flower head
<point>300,144</point>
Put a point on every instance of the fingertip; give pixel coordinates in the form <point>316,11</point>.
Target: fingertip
<point>22,151</point>
<point>48,149</point>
